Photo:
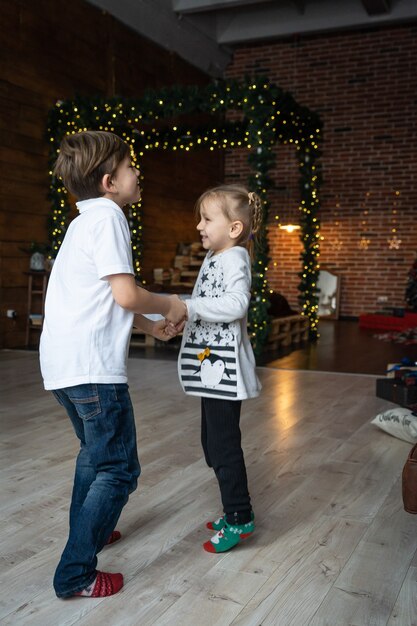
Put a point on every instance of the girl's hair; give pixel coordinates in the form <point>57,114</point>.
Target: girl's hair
<point>237,203</point>
<point>84,158</point>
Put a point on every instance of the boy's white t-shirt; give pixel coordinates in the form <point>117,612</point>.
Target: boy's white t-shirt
<point>86,334</point>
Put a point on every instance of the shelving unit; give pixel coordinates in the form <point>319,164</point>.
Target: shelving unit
<point>182,276</point>
<point>287,331</point>
<point>141,339</point>
<point>37,283</point>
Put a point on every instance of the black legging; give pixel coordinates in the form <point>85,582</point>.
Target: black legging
<point>221,441</point>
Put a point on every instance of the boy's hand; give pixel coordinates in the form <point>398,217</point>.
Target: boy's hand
<point>163,330</point>
<point>177,310</point>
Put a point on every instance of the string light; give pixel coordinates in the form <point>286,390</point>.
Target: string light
<point>337,243</point>
<point>394,242</point>
<point>263,122</point>
<point>290,228</point>
<point>364,236</point>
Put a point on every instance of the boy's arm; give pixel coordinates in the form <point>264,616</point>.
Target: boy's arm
<point>143,323</point>
<point>138,300</point>
<point>159,329</point>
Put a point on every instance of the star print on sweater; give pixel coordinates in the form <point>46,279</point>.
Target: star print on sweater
<point>216,358</point>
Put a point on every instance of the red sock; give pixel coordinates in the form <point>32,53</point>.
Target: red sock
<point>105,584</point>
<point>115,536</point>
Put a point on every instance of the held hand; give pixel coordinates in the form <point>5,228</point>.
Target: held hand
<point>170,329</point>
<point>162,330</point>
<point>177,311</point>
<point>178,328</point>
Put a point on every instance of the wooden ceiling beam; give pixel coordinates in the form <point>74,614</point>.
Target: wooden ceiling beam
<point>377,7</point>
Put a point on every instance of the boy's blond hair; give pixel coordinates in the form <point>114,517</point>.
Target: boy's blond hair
<point>85,158</point>
<point>237,203</point>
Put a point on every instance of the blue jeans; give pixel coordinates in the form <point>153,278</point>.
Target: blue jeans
<point>106,472</point>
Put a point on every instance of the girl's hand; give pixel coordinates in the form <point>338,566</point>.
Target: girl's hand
<point>178,328</point>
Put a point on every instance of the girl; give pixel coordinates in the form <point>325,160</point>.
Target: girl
<point>216,361</point>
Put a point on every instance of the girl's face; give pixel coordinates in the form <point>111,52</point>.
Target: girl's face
<point>215,229</point>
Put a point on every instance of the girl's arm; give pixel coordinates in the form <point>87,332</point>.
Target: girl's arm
<point>234,302</point>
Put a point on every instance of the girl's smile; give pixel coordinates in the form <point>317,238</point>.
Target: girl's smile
<point>214,227</point>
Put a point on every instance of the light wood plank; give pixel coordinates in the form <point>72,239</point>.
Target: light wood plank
<point>367,588</point>
<point>308,570</point>
<point>405,608</point>
<point>332,545</point>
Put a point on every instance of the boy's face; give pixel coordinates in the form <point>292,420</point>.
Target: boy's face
<point>126,183</point>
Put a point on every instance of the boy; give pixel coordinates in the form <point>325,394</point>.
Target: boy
<point>92,301</point>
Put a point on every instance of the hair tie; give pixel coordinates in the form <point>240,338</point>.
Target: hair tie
<point>251,196</point>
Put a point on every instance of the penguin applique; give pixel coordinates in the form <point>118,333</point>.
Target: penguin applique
<point>212,367</point>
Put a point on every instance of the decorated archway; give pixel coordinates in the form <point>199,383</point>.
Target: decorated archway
<point>268,115</point>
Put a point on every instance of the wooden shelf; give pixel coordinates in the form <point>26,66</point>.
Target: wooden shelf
<point>139,338</point>
<point>186,268</point>
<point>286,331</point>
<point>37,284</point>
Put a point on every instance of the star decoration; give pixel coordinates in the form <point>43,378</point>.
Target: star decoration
<point>394,243</point>
<point>225,326</point>
<point>212,264</point>
<point>204,277</point>
<point>218,337</point>
<point>202,294</point>
<point>364,243</point>
<point>193,336</point>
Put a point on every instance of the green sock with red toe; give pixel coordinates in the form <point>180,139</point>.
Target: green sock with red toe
<point>229,537</point>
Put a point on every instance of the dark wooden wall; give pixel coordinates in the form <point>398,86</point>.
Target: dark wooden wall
<point>53,49</point>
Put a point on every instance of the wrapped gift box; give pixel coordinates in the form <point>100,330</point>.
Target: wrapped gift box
<point>409,377</point>
<point>396,390</point>
<point>394,368</point>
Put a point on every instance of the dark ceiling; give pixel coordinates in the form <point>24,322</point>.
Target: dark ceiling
<point>204,32</point>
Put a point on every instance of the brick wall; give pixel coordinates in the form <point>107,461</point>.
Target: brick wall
<point>363,84</point>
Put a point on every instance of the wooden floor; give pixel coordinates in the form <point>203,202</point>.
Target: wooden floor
<point>342,347</point>
<point>333,545</point>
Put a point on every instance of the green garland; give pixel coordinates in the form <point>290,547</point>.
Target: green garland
<point>270,115</point>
